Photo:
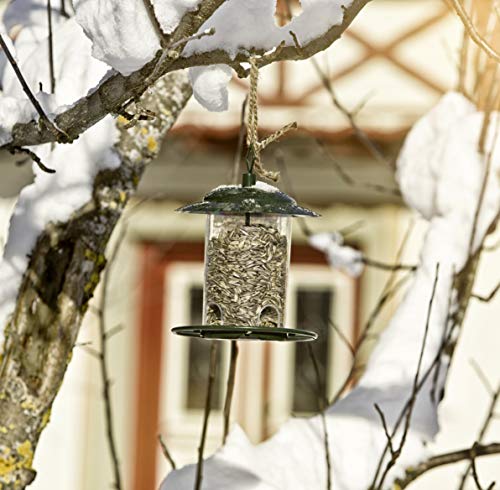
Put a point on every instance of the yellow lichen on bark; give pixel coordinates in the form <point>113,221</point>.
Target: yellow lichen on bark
<point>10,463</point>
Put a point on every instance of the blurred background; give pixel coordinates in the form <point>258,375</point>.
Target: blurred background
<point>390,68</point>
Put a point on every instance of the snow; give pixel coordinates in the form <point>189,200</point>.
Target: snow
<point>210,86</point>
<point>13,110</point>
<point>340,256</point>
<point>263,186</point>
<point>127,40</point>
<point>170,12</point>
<point>52,197</point>
<point>245,25</point>
<point>440,173</point>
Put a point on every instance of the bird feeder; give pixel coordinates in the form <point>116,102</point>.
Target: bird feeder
<point>247,260</point>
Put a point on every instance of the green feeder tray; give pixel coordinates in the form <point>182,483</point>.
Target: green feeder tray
<point>230,332</point>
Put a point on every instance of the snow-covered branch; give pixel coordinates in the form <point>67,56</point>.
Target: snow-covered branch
<point>140,62</point>
<point>453,457</point>
<point>45,303</point>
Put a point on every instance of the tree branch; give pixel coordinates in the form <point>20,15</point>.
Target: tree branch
<point>116,91</point>
<point>231,377</point>
<point>447,458</point>
<point>58,284</point>
<point>212,371</point>
<point>47,126</point>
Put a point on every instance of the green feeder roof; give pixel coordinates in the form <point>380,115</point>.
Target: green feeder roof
<point>260,198</point>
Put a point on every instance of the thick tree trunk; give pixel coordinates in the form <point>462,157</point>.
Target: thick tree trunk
<point>63,273</point>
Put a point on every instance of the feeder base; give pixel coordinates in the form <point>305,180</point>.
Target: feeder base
<point>234,332</point>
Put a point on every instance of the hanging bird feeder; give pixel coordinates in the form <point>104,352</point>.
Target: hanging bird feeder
<point>247,259</point>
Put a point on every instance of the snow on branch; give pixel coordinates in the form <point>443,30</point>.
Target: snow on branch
<point>142,61</point>
<point>443,176</point>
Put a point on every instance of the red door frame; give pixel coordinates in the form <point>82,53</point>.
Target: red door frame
<point>155,258</point>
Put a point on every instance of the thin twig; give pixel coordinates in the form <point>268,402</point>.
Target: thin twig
<point>51,48</point>
<point>322,403</point>
<point>388,267</point>
<point>409,406</point>
<point>360,134</point>
<point>162,37</point>
<point>34,157</point>
<point>166,452</point>
<point>43,117</point>
<point>495,394</point>
<point>231,377</point>
<point>64,12</point>
<point>475,475</point>
<point>194,37</point>
<point>473,32</point>
<point>348,180</point>
<point>280,161</point>
<point>488,297</point>
<point>482,377</point>
<point>342,336</point>
<point>206,414</point>
<point>482,191</point>
<point>383,300</point>
<point>386,429</point>
<point>104,337</point>
<point>446,459</point>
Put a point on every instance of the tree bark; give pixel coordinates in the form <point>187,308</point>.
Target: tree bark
<point>62,275</point>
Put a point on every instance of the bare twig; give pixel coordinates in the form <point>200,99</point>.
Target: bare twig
<point>64,11</point>
<point>482,377</point>
<point>280,161</point>
<point>51,48</point>
<point>495,394</point>
<point>322,403</point>
<point>43,117</point>
<point>391,287</point>
<point>348,180</point>
<point>34,157</point>
<point>410,405</point>
<point>488,158</point>
<point>106,382</point>
<point>342,336</point>
<point>386,429</point>
<point>473,32</point>
<point>488,297</point>
<point>360,134</point>
<point>233,361</point>
<point>194,37</point>
<point>206,414</point>
<point>162,37</point>
<point>388,267</point>
<point>166,452</point>
<point>474,472</point>
<point>383,300</point>
<point>446,459</point>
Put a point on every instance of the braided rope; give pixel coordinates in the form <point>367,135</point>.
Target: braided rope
<point>254,145</point>
<point>253,116</point>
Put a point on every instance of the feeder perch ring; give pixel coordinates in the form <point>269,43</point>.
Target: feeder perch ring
<point>240,332</point>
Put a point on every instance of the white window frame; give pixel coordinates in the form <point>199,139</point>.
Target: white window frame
<point>282,370</point>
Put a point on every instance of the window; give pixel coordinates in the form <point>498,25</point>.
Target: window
<point>313,312</point>
<point>199,360</point>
